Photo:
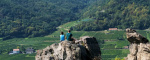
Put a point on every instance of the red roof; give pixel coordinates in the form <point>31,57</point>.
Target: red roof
<point>15,49</point>
<point>126,46</point>
<point>113,29</point>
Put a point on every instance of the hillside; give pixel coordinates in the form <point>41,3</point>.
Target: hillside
<point>111,42</point>
<point>38,23</point>
<point>32,18</point>
<point>120,14</point>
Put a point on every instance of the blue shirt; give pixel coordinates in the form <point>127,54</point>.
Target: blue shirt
<point>62,37</point>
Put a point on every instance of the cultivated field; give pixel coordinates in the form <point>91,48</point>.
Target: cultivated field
<point>111,43</point>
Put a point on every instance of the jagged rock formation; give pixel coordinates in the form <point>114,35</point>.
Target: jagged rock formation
<point>139,46</point>
<point>134,37</point>
<point>86,48</point>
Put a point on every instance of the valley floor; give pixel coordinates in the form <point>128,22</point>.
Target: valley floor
<point>113,44</point>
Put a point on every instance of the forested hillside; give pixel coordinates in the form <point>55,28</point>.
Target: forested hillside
<point>31,18</point>
<point>117,13</point>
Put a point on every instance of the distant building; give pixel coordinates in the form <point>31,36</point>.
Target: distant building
<point>29,50</point>
<point>113,29</point>
<point>16,51</point>
<point>126,47</point>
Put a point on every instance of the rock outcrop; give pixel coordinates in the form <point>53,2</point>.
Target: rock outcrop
<point>134,37</point>
<point>86,48</point>
<point>139,46</point>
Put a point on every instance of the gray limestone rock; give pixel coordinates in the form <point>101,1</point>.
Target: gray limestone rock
<point>139,46</point>
<point>85,49</point>
<point>134,37</point>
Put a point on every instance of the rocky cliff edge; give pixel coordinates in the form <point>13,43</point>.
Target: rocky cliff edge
<point>87,48</point>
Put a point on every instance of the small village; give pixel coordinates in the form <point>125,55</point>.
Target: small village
<point>29,50</point>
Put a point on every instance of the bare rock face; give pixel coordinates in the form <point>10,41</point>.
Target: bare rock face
<point>134,37</point>
<point>139,47</point>
<point>85,49</point>
<point>91,45</point>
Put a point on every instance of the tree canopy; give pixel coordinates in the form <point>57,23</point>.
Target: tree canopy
<point>31,18</point>
<point>116,14</point>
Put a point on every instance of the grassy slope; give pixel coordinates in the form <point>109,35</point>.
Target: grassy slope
<point>110,49</point>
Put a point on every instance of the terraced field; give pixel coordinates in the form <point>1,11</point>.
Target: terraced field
<point>111,42</point>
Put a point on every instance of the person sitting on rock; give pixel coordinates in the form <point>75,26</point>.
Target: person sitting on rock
<point>69,36</point>
<point>62,36</point>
